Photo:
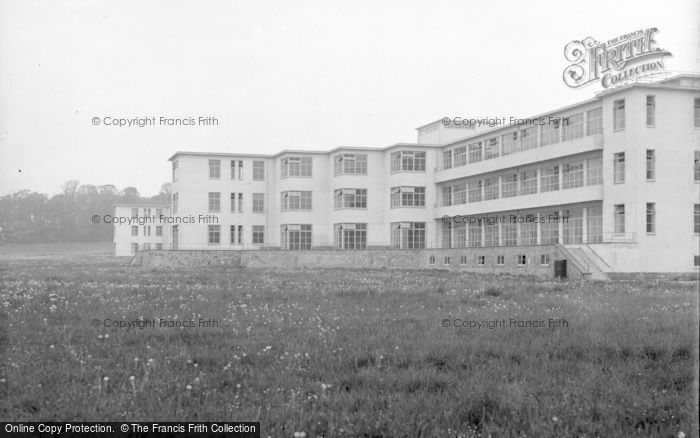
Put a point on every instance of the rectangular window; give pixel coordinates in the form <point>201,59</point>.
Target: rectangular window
<point>474,235</point>
<point>407,197</point>
<point>651,111</point>
<point>296,236</point>
<point>510,143</point>
<point>475,152</point>
<point>549,179</point>
<point>134,212</point>
<point>447,159</point>
<point>651,217</point>
<point>232,233</point>
<point>572,127</point>
<point>619,115</point>
<point>233,202</point>
<point>239,235</point>
<point>350,236</point>
<point>134,248</point>
<point>595,171</point>
<point>573,227</point>
<point>651,164</point>
<point>528,138</point>
<point>134,230</point>
<point>292,200</point>
<point>549,228</point>
<point>510,234</point>
<point>510,185</point>
<point>447,260</point>
<point>619,221</point>
<point>351,164</point>
<point>491,188</point>
<point>460,193</point>
<point>214,234</point>
<point>528,182</point>
<point>462,260</point>
<point>500,260</point>
<point>551,132</point>
<point>572,175</point>
<point>447,235</point>
<point>258,203</point>
<point>447,195</point>
<point>491,235</point>
<point>528,231</point>
<point>159,246</point>
<point>258,234</point>
<point>159,230</point>
<point>296,167</point>
<point>408,161</point>
<point>240,202</point>
<point>491,148</point>
<point>408,235</point>
<point>214,202</point>
<point>696,112</point>
<point>594,124</point>
<point>474,191</point>
<point>460,156</point>
<point>147,212</point>
<point>696,220</point>
<point>175,171</point>
<point>237,169</point>
<point>522,259</point>
<point>460,235</point>
<point>350,198</point>
<point>481,260</point>
<point>594,222</point>
<point>696,166</point>
<point>258,170</point>
<point>175,202</point>
<point>619,168</point>
<point>214,169</point>
<point>544,259</point>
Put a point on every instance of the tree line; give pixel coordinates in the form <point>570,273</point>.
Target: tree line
<point>31,217</point>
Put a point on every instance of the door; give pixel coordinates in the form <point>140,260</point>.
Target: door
<point>560,268</point>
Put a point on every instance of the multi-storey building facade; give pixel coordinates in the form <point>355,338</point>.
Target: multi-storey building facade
<point>139,227</point>
<point>615,178</point>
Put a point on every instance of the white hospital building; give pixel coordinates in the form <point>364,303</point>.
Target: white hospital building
<point>614,180</point>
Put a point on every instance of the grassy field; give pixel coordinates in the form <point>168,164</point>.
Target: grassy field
<point>346,352</point>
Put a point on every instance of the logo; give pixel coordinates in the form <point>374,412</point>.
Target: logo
<point>614,62</point>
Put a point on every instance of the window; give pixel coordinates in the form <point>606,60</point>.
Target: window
<point>134,230</point>
<point>491,235</point>
<point>594,222</point>
<point>352,164</point>
<point>214,234</point>
<point>619,168</point>
<point>460,156</point>
<point>619,115</point>
<point>475,152</point>
<point>296,237</point>
<point>572,175</point>
<point>619,213</point>
<point>350,198</point>
<point>528,138</point>
<point>236,202</point>
<point>572,127</point>
<point>460,193</point>
<point>696,113</point>
<point>296,167</point>
<point>510,143</point>
<point>462,260</point>
<point>595,171</point>
<point>350,236</point>
<point>474,235</point>
<point>214,169</point>
<point>232,233</point>
<point>595,121</point>
<point>696,164</point>
<point>544,259</point>
<point>447,234</point>
<point>460,235</point>
<point>147,212</point>
<point>258,234</point>
<point>258,203</point>
<point>491,148</point>
<point>528,182</point>
<point>159,212</point>
<point>447,195</point>
<point>134,212</point>
<point>551,132</point>
<point>408,235</point>
<point>474,191</point>
<point>296,200</point>
<point>237,169</point>
<point>510,234</point>
<point>258,170</point>
<point>500,260</point>
<point>407,161</point>
<point>214,201</point>
<point>696,261</point>
<point>481,260</point>
<point>491,188</point>
<point>522,259</point>
<point>510,185</point>
<point>447,260</point>
<point>447,159</point>
<point>159,230</point>
<point>651,111</point>
<point>431,260</point>
<point>175,202</point>
<point>696,220</point>
<point>528,231</point>
<point>175,171</point>
<point>651,217</point>
<point>651,164</point>
<point>134,248</point>
<point>159,246</point>
<point>407,197</point>
<point>573,226</point>
<point>549,228</point>
<point>236,234</point>
<point>549,179</point>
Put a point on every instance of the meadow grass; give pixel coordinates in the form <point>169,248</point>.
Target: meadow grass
<point>347,352</point>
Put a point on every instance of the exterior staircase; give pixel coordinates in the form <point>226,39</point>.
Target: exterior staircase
<point>591,265</point>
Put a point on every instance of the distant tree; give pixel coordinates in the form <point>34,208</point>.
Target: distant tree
<point>129,194</point>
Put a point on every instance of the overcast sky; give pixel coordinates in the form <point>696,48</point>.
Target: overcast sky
<point>281,75</point>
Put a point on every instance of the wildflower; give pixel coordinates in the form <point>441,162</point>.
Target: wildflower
<point>188,387</point>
